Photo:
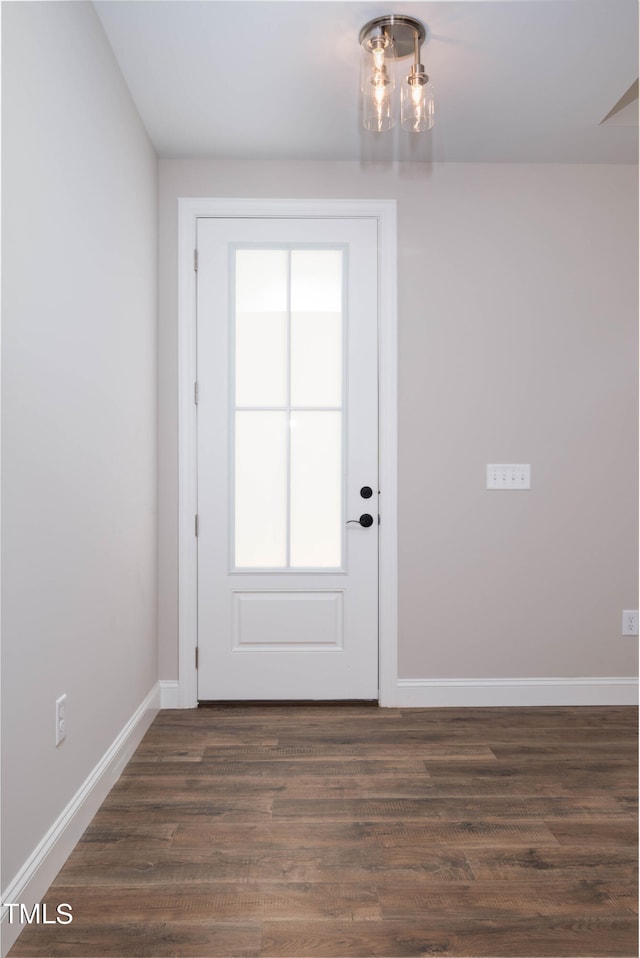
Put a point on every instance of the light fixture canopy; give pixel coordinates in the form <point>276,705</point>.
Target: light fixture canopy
<point>383,41</point>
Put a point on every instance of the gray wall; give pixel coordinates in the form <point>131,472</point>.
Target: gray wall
<point>79,450</point>
<point>517,343</point>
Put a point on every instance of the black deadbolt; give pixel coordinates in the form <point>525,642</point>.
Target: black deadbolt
<point>366,520</point>
<point>366,492</point>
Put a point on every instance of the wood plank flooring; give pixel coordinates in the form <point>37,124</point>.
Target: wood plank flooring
<point>356,831</point>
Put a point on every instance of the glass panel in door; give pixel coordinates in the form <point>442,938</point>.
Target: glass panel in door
<point>288,331</point>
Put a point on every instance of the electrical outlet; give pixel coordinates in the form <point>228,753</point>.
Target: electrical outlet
<point>61,719</point>
<point>630,622</point>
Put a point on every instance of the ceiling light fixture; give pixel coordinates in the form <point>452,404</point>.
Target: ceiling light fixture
<point>382,42</point>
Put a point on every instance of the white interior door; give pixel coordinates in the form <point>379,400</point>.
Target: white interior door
<point>287,453</point>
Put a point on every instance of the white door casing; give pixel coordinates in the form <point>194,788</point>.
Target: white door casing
<point>382,215</point>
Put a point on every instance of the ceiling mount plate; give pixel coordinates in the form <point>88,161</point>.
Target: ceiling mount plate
<point>402,29</point>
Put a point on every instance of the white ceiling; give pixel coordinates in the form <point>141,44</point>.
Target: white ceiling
<point>515,80</point>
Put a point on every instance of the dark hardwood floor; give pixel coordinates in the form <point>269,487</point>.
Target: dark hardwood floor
<point>352,831</point>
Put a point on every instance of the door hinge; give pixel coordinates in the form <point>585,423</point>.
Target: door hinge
<point>196,524</point>
<point>196,656</point>
<point>195,260</point>
<point>196,393</point>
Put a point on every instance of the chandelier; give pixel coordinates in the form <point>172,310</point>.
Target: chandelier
<point>384,41</point>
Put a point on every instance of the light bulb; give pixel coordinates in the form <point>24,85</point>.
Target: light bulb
<point>376,106</point>
<point>380,92</point>
<point>378,58</point>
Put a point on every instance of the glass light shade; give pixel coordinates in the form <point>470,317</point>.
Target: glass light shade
<point>417,111</point>
<point>377,82</point>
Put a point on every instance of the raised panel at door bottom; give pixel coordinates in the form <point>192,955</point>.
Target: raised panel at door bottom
<point>288,622</point>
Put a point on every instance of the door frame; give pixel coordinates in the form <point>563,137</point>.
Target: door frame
<point>190,209</point>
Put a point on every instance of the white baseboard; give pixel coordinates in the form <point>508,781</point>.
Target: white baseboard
<point>439,693</point>
<point>169,693</point>
<point>32,881</point>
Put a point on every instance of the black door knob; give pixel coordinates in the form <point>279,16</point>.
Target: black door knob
<point>365,520</point>
<point>366,492</point>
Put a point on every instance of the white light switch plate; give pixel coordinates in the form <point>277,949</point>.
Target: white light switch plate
<point>509,476</point>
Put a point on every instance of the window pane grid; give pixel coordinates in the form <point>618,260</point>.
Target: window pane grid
<point>291,408</point>
<point>312,444</point>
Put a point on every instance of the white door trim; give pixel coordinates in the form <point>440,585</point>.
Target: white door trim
<point>189,209</point>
